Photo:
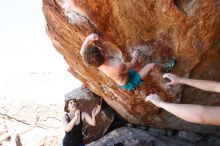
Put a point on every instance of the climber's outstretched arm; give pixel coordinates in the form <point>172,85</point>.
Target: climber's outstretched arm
<point>201,84</point>
<point>192,113</point>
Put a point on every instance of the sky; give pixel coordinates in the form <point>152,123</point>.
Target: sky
<point>31,68</point>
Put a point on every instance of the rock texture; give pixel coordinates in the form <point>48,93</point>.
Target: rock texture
<point>187,30</point>
<point>136,137</point>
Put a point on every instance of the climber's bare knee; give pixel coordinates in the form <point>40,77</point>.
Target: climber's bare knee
<point>146,70</point>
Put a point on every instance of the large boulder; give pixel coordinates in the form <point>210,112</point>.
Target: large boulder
<point>187,30</point>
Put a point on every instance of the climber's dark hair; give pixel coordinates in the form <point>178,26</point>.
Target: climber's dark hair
<point>93,56</point>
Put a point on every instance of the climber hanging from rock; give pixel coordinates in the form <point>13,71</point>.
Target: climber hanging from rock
<point>121,72</point>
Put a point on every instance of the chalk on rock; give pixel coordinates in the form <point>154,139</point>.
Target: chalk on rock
<point>145,52</point>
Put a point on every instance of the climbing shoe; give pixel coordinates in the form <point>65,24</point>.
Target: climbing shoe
<point>169,65</point>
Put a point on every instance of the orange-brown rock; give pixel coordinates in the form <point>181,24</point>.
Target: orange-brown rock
<point>185,29</point>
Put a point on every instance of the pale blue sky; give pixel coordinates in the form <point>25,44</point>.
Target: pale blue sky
<point>23,41</point>
<point>30,67</point>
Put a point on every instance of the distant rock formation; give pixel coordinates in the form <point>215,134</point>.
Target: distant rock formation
<point>187,30</point>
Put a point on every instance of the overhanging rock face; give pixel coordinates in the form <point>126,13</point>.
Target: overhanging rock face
<point>186,30</point>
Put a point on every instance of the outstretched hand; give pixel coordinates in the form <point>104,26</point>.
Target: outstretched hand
<point>96,110</point>
<point>93,37</point>
<point>173,79</point>
<point>155,99</point>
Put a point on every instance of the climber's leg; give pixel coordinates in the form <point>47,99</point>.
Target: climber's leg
<point>150,66</point>
<point>146,70</point>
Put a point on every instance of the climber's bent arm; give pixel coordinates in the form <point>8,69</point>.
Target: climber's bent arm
<point>92,37</point>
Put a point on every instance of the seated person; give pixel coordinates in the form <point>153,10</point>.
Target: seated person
<point>121,72</point>
<point>192,113</point>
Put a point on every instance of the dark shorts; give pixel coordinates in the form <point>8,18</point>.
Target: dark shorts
<point>134,81</point>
